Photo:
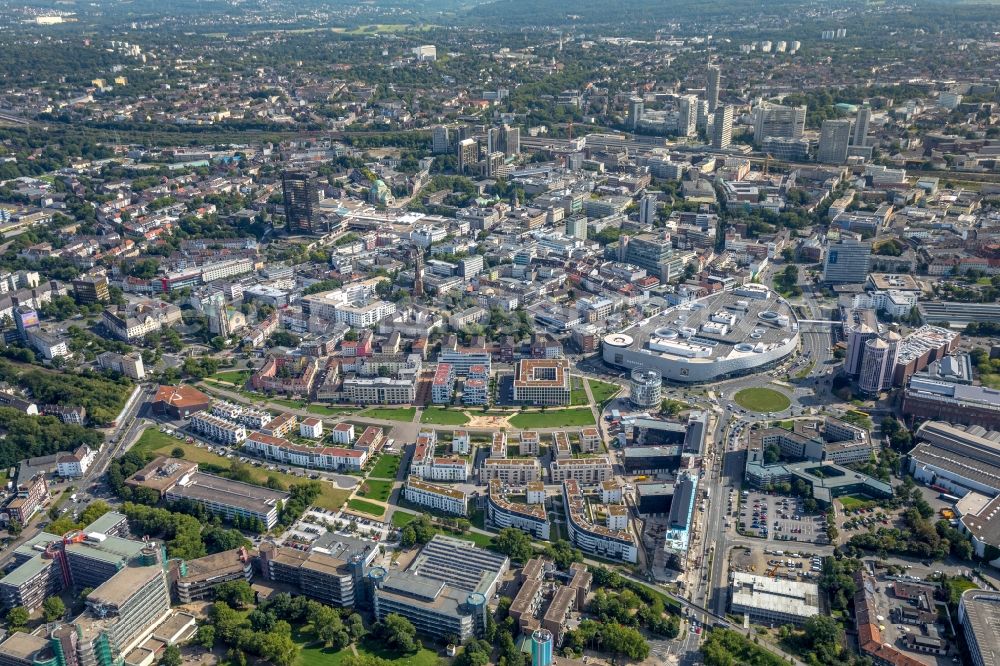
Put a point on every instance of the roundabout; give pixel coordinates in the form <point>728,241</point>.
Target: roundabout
<point>762,400</point>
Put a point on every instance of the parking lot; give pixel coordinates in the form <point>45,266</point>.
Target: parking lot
<point>799,565</point>
<point>780,518</point>
<point>317,522</point>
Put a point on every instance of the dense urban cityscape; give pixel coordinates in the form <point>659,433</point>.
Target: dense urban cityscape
<point>455,332</point>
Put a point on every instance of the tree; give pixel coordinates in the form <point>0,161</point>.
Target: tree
<point>476,653</point>
<point>18,617</point>
<point>398,633</point>
<point>355,626</point>
<point>515,544</point>
<point>236,593</point>
<point>177,452</point>
<point>53,609</point>
<point>205,636</point>
<point>509,651</point>
<point>218,539</point>
<point>171,656</point>
<point>822,629</point>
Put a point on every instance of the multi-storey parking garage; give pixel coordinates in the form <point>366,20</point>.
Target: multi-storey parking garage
<point>730,334</point>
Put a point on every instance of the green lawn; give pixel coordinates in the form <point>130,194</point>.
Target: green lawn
<point>481,540</point>
<point>442,416</point>
<point>762,400</point>
<point>562,418</point>
<point>402,519</point>
<point>385,468</point>
<point>603,391</point>
<point>852,502</point>
<point>238,377</point>
<point>375,489</point>
<point>956,586</point>
<point>391,413</point>
<point>313,655</point>
<point>154,441</point>
<point>285,402</point>
<point>577,394</point>
<point>368,508</point>
<point>323,410</point>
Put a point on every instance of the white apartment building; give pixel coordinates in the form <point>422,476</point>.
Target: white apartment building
<point>220,270</point>
<point>529,443</point>
<point>379,390</point>
<point>218,429</point>
<point>475,392</point>
<point>311,427</point>
<point>590,537</point>
<point>442,469</point>
<point>512,471</point>
<point>311,457</point>
<point>590,440</point>
<point>530,518</point>
<point>442,498</point>
<point>342,433</point>
<point>74,465</point>
<point>585,471</point>
<point>461,443</point>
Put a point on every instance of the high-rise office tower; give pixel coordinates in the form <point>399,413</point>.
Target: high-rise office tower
<point>847,262</point>
<point>834,139</point>
<point>635,111</point>
<point>418,271</point>
<point>119,613</point>
<point>576,227</point>
<point>861,124</point>
<point>712,87</point>
<point>492,140</point>
<point>301,199</point>
<point>687,115</point>
<point>860,326</point>
<point>722,128</point>
<point>702,114</point>
<point>879,363</point>
<point>647,209</point>
<point>650,251</point>
<point>467,153</point>
<point>441,140</point>
<point>510,140</point>
<point>775,120</point>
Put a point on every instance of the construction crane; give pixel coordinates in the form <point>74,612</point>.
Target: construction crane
<point>767,162</point>
<point>773,570</point>
<point>569,129</point>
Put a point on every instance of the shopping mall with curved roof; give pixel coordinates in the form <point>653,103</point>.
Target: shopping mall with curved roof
<point>724,335</point>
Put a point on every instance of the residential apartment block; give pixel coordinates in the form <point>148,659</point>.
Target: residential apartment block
<point>442,498</point>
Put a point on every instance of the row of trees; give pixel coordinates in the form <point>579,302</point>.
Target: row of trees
<point>518,546</point>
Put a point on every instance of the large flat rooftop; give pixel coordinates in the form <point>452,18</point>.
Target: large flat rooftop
<point>458,563</point>
<point>770,595</point>
<point>982,612</point>
<point>719,327</point>
<point>209,488</point>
